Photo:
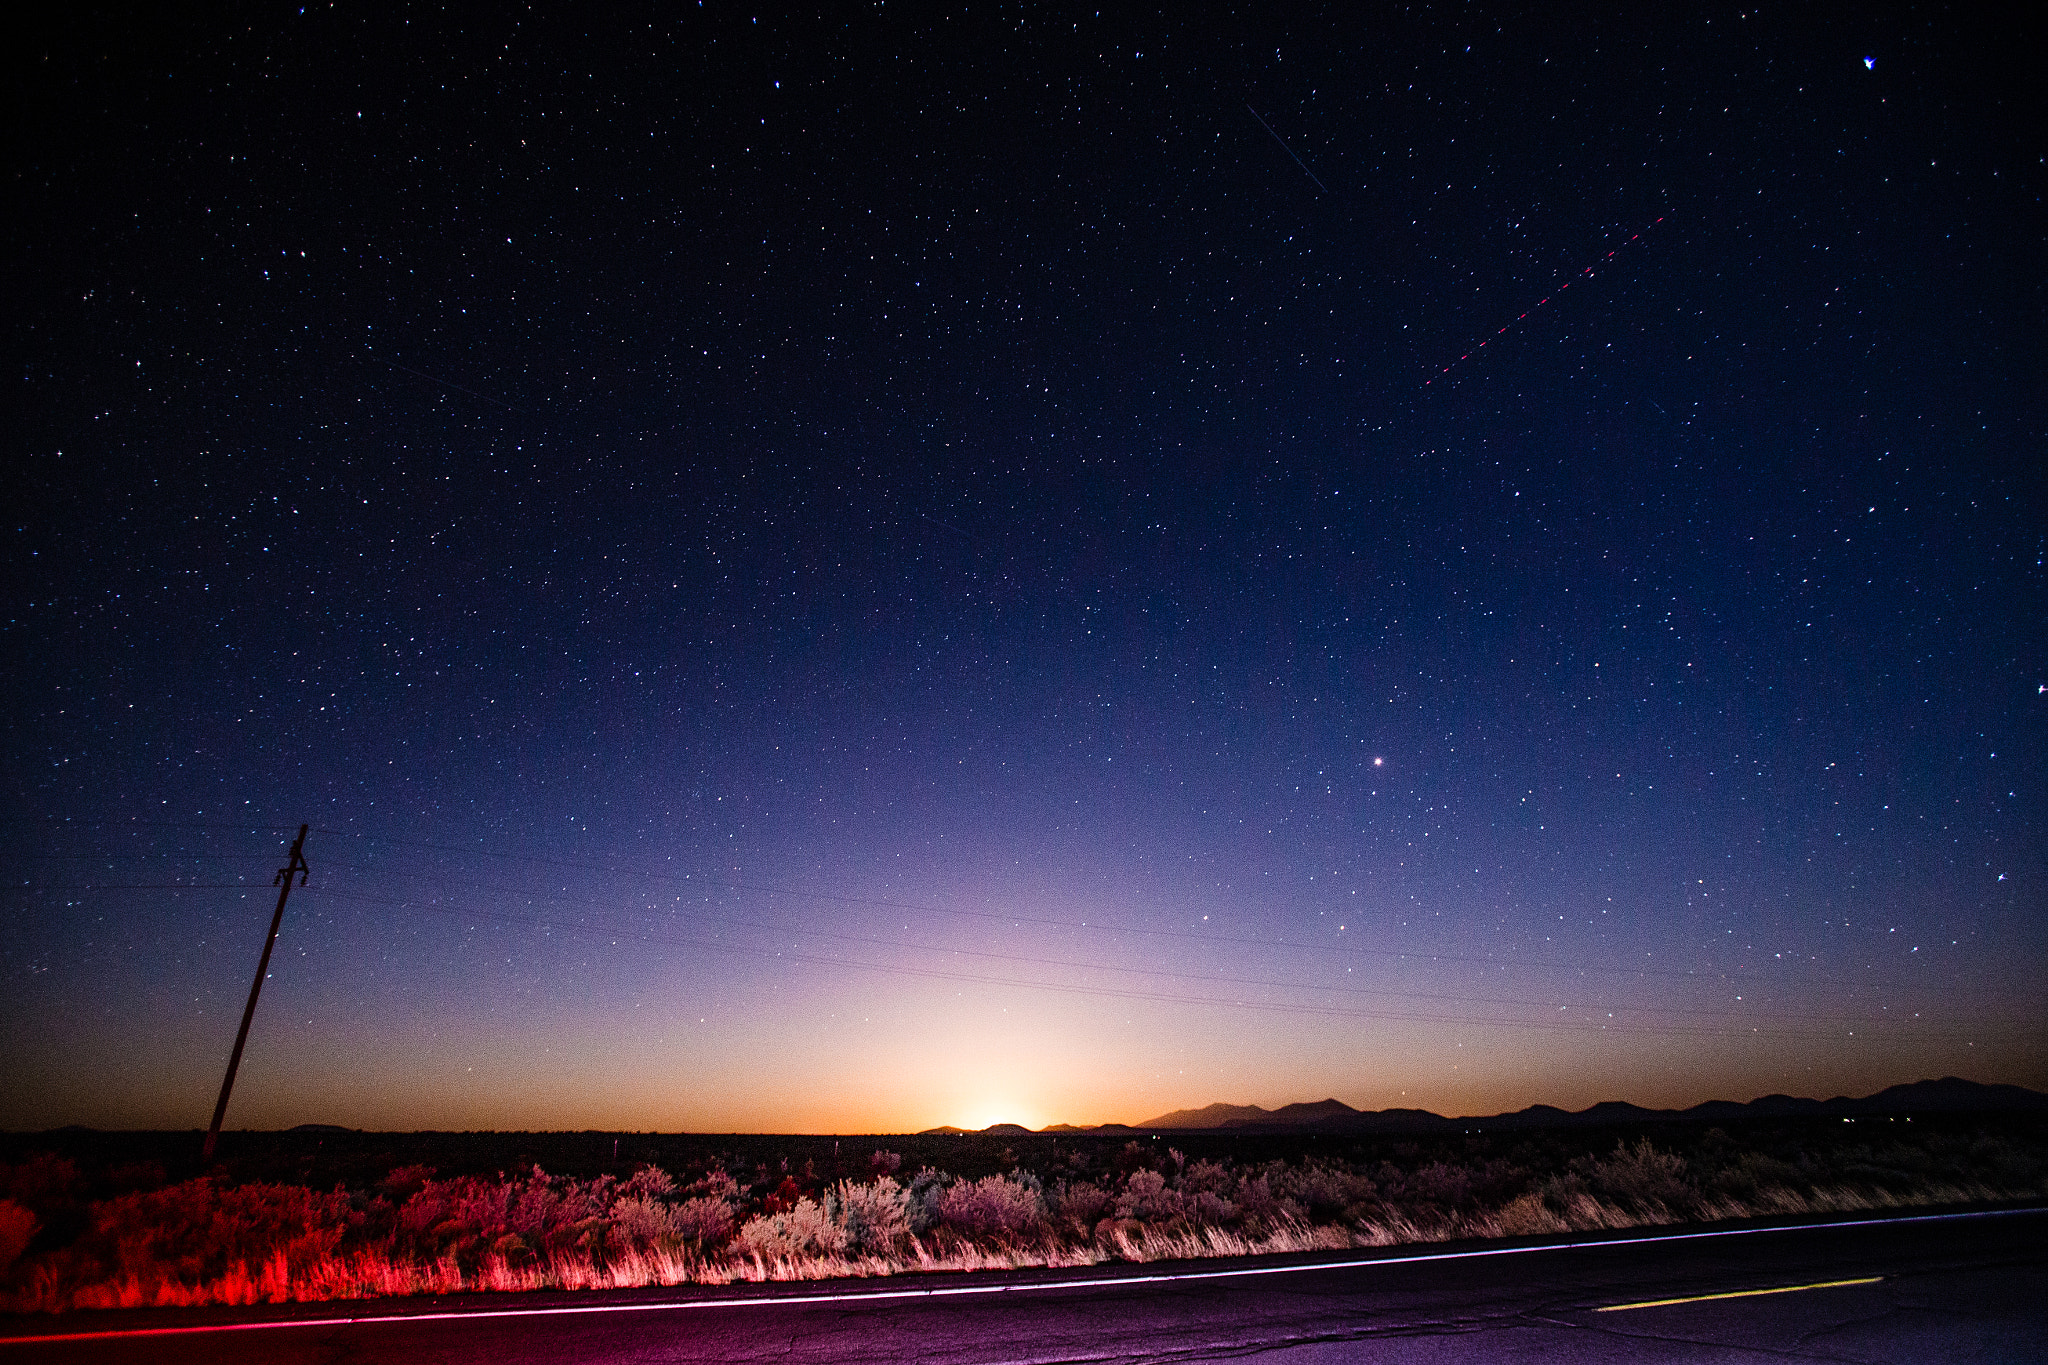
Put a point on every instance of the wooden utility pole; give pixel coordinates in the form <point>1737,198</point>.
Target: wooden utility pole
<point>283,882</point>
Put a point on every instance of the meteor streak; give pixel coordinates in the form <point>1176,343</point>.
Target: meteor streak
<point>1289,150</point>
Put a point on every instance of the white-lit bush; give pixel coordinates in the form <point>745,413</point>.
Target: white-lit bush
<point>875,1217</point>
<point>805,1230</point>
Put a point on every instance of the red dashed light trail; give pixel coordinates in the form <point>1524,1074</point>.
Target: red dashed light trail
<point>1525,313</point>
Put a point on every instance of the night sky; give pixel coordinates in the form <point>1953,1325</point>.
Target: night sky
<point>903,566</point>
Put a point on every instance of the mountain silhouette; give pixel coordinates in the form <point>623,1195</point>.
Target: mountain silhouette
<point>1950,1094</point>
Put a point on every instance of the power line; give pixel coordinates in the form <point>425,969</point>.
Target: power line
<point>146,886</point>
<point>798,955</point>
<point>140,853</point>
<point>63,821</point>
<point>695,881</point>
<point>1731,976</point>
<point>1073,965</point>
<point>900,945</point>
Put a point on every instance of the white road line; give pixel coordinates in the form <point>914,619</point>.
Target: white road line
<point>949,1291</point>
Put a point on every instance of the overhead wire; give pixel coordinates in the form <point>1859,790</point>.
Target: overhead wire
<point>755,888</point>
<point>1068,988</point>
<point>1074,965</point>
<point>694,882</point>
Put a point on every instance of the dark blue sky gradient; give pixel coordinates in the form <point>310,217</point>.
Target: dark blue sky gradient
<point>871,570</point>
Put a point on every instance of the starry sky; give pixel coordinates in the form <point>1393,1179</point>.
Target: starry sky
<point>898,565</point>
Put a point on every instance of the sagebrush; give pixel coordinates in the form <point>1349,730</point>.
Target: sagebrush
<point>205,1241</point>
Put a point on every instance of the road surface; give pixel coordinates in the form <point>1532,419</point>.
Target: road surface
<point>1945,1288</point>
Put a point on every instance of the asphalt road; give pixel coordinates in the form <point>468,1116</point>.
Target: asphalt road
<point>1970,1288</point>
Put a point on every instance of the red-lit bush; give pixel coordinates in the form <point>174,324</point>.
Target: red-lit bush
<point>17,1229</point>
<point>205,1241</point>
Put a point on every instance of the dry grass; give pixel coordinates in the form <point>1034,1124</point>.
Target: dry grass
<point>194,1244</point>
<point>374,1274</point>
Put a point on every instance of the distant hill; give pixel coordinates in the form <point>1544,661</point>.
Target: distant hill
<point>1215,1116</point>
<point>1322,1111</point>
<point>1948,1095</point>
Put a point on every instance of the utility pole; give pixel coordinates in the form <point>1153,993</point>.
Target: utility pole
<point>283,881</point>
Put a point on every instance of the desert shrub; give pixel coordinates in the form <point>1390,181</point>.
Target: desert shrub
<point>564,1199</point>
<point>44,1180</point>
<point>1751,1172</point>
<point>469,1215</point>
<point>704,1220</point>
<point>1135,1156</point>
<point>1528,1216</point>
<point>1256,1202</point>
<point>1077,1206</point>
<point>1318,1190</point>
<point>197,1231</point>
<point>1640,1177</point>
<point>17,1229</point>
<point>649,1182</point>
<point>1200,1194</point>
<point>131,1176</point>
<point>1498,1181</point>
<point>1883,1170</point>
<point>443,1211</point>
<point>405,1181</point>
<point>783,1197</point>
<point>1440,1183</point>
<point>1558,1192</point>
<point>1998,1162</point>
<point>208,1242</point>
<point>993,1205</point>
<point>640,1221</point>
<point>512,1249</point>
<point>716,1184</point>
<point>885,1163</point>
<point>1146,1197</point>
<point>1905,1156</point>
<point>875,1217</point>
<point>805,1229</point>
<point>925,1188</point>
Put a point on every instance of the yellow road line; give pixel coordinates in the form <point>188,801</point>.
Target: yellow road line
<point>1736,1294</point>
